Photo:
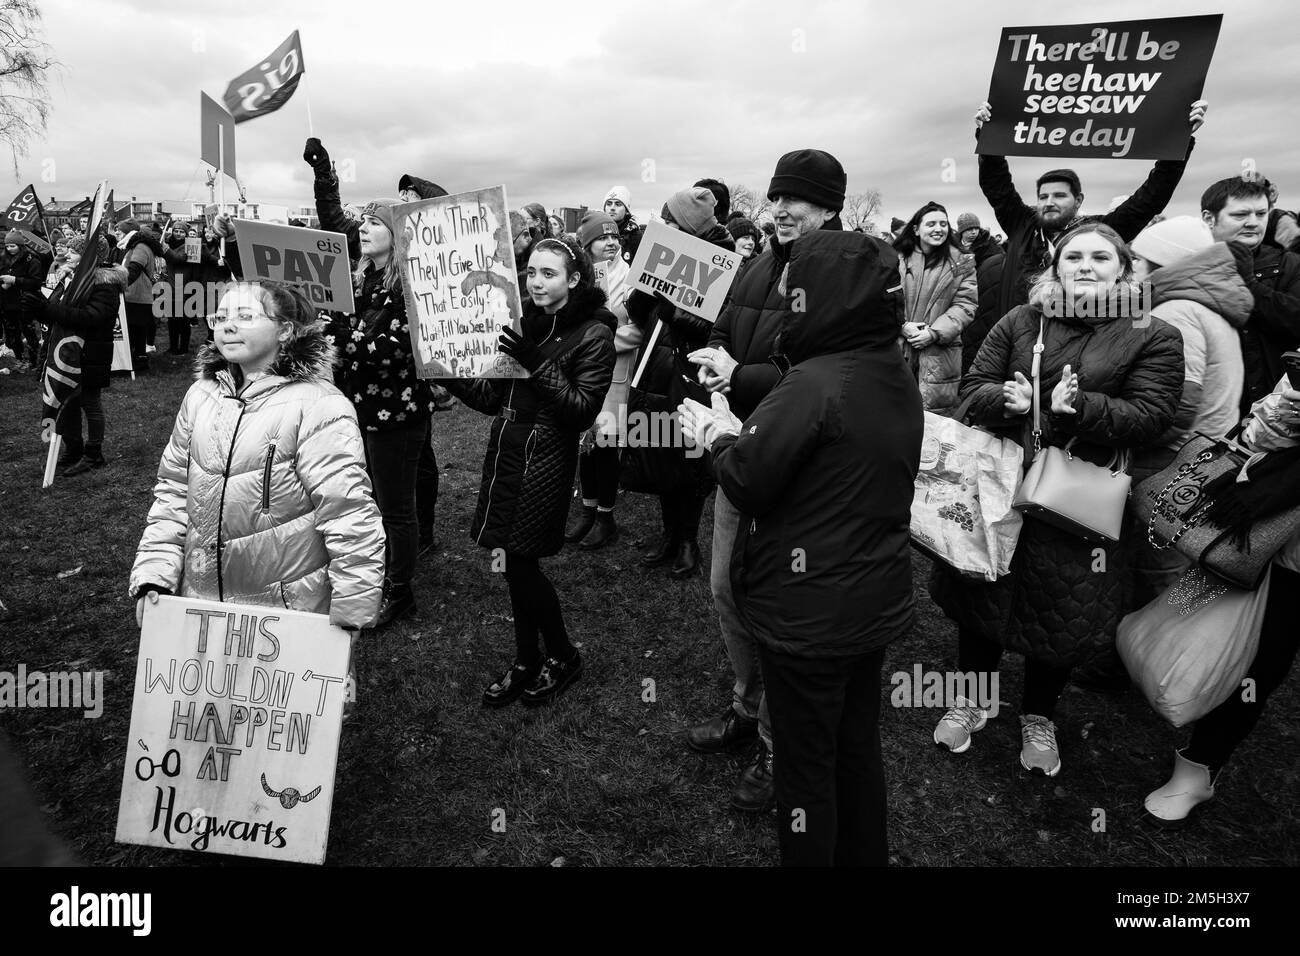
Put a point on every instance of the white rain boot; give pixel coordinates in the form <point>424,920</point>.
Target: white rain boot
<point>1189,787</point>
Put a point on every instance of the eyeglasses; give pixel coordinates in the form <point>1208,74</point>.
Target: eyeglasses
<point>242,320</point>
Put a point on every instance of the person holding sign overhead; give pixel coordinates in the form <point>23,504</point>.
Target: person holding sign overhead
<point>1032,231</point>
<point>378,374</point>
<point>567,347</point>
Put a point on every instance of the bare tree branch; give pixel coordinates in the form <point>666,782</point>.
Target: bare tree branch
<point>859,208</point>
<point>25,65</point>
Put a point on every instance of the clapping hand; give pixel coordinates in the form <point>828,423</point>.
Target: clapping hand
<point>1017,395</point>
<point>716,368</point>
<point>705,425</point>
<point>1067,389</point>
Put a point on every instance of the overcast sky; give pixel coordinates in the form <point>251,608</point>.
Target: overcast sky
<point>561,100</point>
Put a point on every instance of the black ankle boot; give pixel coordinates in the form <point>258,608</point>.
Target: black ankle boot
<point>662,553</point>
<point>71,454</point>
<point>687,561</point>
<point>399,601</point>
<point>606,532</point>
<point>578,530</point>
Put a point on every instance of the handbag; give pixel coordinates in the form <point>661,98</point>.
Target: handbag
<point>1190,648</point>
<point>961,505</point>
<point>1072,494</point>
<point>1173,506</point>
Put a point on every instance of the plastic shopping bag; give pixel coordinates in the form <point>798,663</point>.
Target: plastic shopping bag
<point>1190,648</point>
<point>961,508</point>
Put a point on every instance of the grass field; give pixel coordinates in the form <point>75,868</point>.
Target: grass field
<point>601,777</point>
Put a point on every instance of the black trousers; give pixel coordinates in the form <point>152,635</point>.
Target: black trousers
<point>1218,733</point>
<point>140,325</point>
<point>830,782</point>
<point>1043,684</point>
<point>393,459</point>
<point>90,402</point>
<point>178,334</point>
<point>681,511</point>
<point>426,486</point>
<point>537,613</point>
<point>598,476</point>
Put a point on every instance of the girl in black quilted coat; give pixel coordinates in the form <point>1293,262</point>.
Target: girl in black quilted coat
<point>567,346</point>
<point>1108,381</point>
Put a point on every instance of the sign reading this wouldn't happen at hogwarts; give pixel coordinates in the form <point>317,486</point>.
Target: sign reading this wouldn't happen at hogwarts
<point>693,274</point>
<point>461,286</point>
<point>234,730</point>
<point>1120,90</point>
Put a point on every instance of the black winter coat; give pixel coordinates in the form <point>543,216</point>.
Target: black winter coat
<point>532,449</point>
<point>748,324</point>
<point>1274,323</point>
<point>989,258</point>
<point>93,320</point>
<point>29,276</point>
<point>1027,250</point>
<point>822,563</point>
<point>1060,602</point>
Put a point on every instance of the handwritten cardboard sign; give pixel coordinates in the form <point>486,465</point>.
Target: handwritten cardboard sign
<point>234,730</point>
<point>314,261</point>
<point>693,273</point>
<point>461,286</point>
<point>1115,90</point>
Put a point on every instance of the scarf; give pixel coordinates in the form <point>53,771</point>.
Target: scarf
<point>1271,487</point>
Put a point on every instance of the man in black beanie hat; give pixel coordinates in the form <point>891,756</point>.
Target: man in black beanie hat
<point>807,192</point>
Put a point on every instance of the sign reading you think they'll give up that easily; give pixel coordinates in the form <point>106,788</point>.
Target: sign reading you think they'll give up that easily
<point>461,286</point>
<point>1120,90</point>
<point>234,730</point>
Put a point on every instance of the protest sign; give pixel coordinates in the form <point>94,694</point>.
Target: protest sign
<point>216,136</point>
<point>1108,90</point>
<point>193,249</point>
<point>122,343</point>
<point>266,87</point>
<point>314,261</point>
<point>234,730</point>
<point>693,273</point>
<point>461,286</point>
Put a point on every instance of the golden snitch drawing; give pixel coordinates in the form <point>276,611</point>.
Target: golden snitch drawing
<point>288,797</point>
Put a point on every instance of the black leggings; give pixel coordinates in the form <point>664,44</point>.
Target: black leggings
<point>598,476</point>
<point>1218,733</point>
<point>1043,684</point>
<point>178,334</point>
<point>537,612</point>
<point>89,401</point>
<point>426,487</point>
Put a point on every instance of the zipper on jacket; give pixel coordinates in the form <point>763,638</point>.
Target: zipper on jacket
<point>266,479</point>
<point>221,505</point>
<point>530,447</point>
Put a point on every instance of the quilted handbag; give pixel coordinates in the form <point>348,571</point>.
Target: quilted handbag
<point>1173,506</point>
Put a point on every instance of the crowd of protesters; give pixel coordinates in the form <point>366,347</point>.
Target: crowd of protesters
<point>810,409</point>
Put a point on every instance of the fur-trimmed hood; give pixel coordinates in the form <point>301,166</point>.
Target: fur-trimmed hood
<point>308,357</point>
<point>589,303</point>
<point>114,275</point>
<point>146,236</point>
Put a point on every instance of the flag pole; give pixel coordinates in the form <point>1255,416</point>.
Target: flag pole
<point>307,96</point>
<point>51,460</point>
<point>221,180</point>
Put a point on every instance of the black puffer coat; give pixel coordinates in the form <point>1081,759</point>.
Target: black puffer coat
<point>532,448</point>
<point>821,566</point>
<point>93,320</point>
<point>25,267</point>
<point>1274,323</point>
<point>1060,602</point>
<point>989,258</point>
<point>749,322</point>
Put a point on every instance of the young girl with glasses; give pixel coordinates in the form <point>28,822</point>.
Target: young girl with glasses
<point>262,494</point>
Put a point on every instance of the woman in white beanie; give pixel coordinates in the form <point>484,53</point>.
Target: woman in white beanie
<point>1194,284</point>
<point>618,206</point>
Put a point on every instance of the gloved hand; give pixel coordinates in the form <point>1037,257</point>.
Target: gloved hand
<point>1245,257</point>
<point>520,349</point>
<point>316,156</point>
<point>34,304</point>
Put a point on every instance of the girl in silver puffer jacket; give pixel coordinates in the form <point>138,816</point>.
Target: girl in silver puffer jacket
<point>262,494</point>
